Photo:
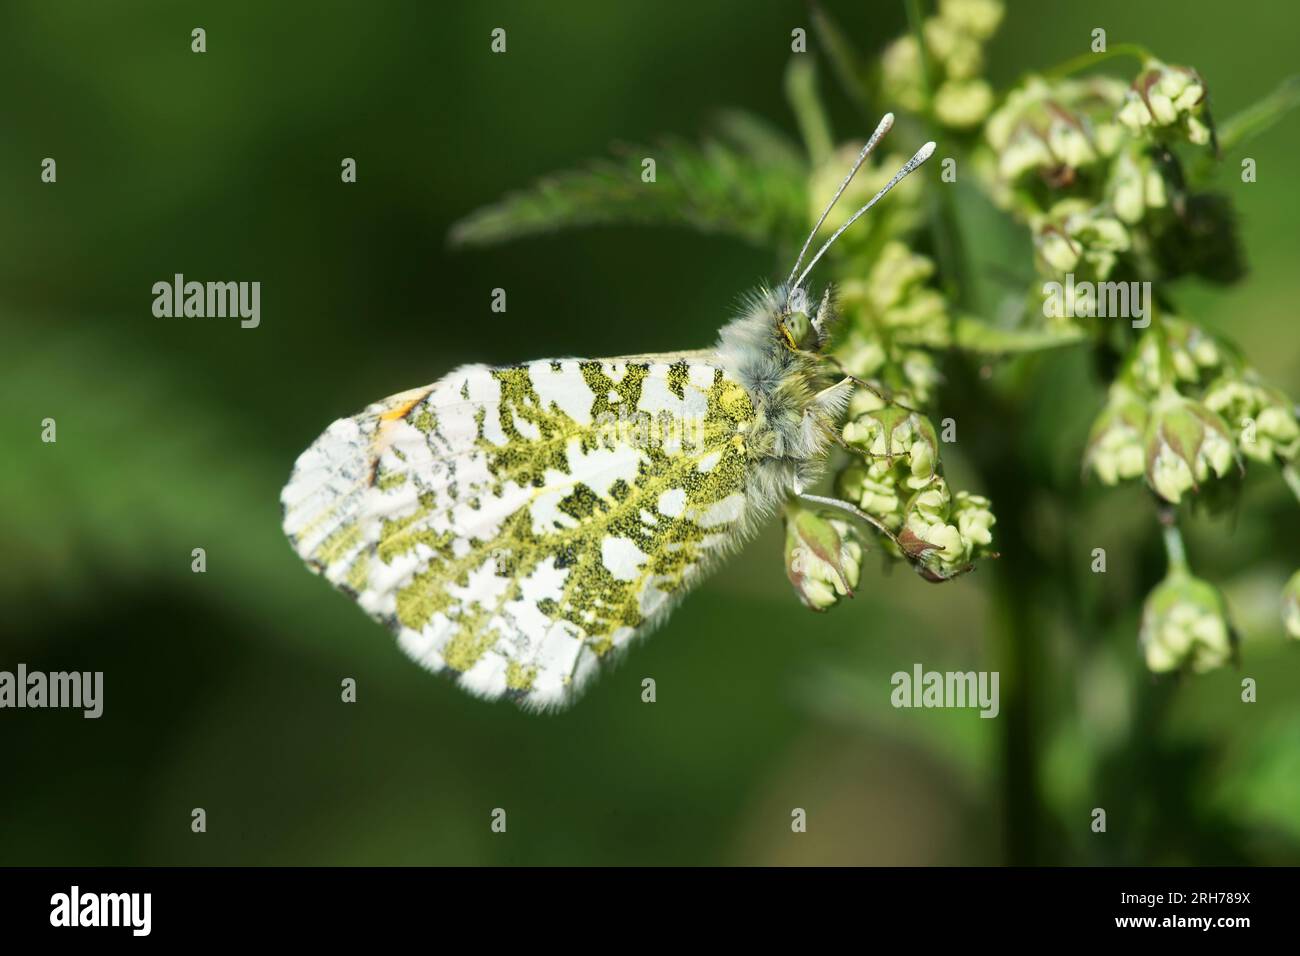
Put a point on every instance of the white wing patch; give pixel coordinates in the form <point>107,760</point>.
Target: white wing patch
<point>518,526</point>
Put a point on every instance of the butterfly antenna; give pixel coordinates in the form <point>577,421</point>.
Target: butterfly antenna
<point>886,123</point>
<point>922,154</point>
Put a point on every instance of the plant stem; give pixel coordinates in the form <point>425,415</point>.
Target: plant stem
<point>944,227</point>
<point>1175,550</point>
<point>1022,577</point>
<point>844,59</point>
<point>1292,478</point>
<point>914,22</point>
<point>1085,60</point>
<point>1015,649</point>
<point>1164,356</point>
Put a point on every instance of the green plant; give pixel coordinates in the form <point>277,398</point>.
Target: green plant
<point>1115,186</point>
<point>1091,167</point>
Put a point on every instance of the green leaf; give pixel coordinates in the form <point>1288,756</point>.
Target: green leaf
<point>1258,117</point>
<point>975,335</point>
<point>761,141</point>
<point>805,101</point>
<point>746,181</point>
<point>142,472</point>
<point>846,62</point>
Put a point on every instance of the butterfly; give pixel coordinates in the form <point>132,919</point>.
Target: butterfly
<point>518,527</point>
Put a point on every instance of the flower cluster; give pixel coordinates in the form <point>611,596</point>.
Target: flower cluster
<point>1168,102</point>
<point>1091,167</point>
<point>1185,409</point>
<point>898,484</point>
<point>1052,139</point>
<point>894,300</point>
<point>1185,624</point>
<point>893,319</point>
<point>943,532</point>
<point>954,41</point>
<point>1265,418</point>
<point>1116,445</point>
<point>1086,164</point>
<point>1185,444</point>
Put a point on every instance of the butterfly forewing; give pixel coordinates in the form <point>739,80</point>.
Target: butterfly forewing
<point>519,525</point>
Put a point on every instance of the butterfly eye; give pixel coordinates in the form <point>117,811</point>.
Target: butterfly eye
<point>799,331</point>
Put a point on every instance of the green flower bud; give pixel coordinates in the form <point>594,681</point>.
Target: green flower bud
<point>922,377</point>
<point>942,534</point>
<point>900,74</point>
<point>1196,351</point>
<point>1135,186</point>
<point>1193,353</point>
<point>1277,432</point>
<point>1070,144</point>
<point>1185,443</point>
<point>864,401</point>
<point>893,432</point>
<point>1265,417</point>
<point>931,504</point>
<point>1077,238</point>
<point>894,297</point>
<point>939,533</point>
<point>1185,622</point>
<point>862,353</point>
<point>927,537</point>
<point>1056,251</point>
<point>1291,606</point>
<point>1116,449</point>
<point>874,487</point>
<point>1167,100</point>
<point>976,18</point>
<point>823,557</point>
<point>896,272</point>
<point>1027,151</point>
<point>974,517</point>
<point>956,51</point>
<point>963,104</point>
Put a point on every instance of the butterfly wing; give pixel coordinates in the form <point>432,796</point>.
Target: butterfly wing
<point>518,526</point>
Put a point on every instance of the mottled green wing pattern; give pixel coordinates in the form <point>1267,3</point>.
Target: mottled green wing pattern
<point>518,526</point>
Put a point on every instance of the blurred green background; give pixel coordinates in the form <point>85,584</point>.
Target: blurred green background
<point>222,689</point>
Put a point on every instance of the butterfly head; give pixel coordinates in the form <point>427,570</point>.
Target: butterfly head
<point>801,327</point>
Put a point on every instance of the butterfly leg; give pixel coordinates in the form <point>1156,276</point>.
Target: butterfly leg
<point>863,383</point>
<point>845,506</point>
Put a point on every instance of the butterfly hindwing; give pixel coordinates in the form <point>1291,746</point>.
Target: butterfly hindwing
<point>518,526</point>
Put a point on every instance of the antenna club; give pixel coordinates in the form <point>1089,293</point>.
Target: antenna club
<point>922,154</point>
